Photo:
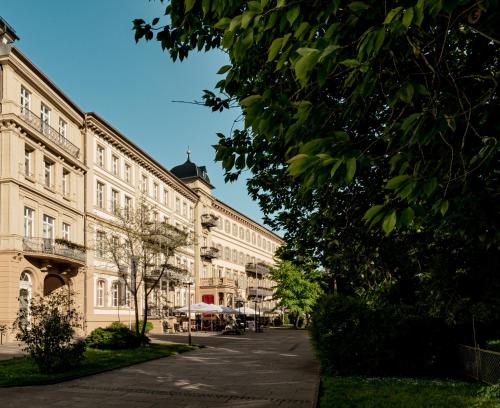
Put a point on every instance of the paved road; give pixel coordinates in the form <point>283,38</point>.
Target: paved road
<point>264,370</point>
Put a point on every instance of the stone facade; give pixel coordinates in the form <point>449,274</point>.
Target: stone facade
<point>61,173</point>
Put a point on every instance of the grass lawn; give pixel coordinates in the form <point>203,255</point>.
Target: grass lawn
<point>22,370</point>
<point>342,392</point>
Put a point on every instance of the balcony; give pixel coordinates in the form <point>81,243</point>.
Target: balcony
<point>209,253</point>
<point>217,282</point>
<point>49,132</point>
<point>260,292</point>
<point>57,250</point>
<point>257,268</point>
<point>209,220</point>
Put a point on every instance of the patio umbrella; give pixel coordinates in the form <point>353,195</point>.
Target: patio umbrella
<point>201,307</point>
<point>228,310</point>
<point>246,310</point>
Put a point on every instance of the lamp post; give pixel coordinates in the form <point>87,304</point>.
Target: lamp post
<point>189,310</point>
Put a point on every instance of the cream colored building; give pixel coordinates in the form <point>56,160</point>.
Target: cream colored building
<point>63,172</point>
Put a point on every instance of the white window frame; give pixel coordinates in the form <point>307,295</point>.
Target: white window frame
<point>100,289</point>
<point>66,231</point>
<point>44,117</point>
<point>28,161</point>
<point>66,177</point>
<point>25,101</point>
<point>29,222</point>
<point>63,127</point>
<point>99,199</point>
<point>115,165</point>
<point>48,173</point>
<point>99,155</point>
<point>48,229</point>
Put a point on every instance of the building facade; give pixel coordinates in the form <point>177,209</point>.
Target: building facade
<point>64,173</point>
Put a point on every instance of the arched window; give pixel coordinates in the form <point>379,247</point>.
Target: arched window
<point>25,296</point>
<point>115,294</point>
<point>100,293</point>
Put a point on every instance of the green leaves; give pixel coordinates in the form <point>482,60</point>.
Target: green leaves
<point>389,222</point>
<point>304,65</point>
<point>188,5</point>
<point>392,13</point>
<point>350,165</point>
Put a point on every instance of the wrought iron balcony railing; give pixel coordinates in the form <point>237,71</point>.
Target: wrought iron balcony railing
<point>213,282</point>
<point>49,246</point>
<point>209,253</point>
<point>49,132</point>
<point>209,220</point>
<point>259,268</point>
<point>260,292</point>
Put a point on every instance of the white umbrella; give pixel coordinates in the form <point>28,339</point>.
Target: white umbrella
<point>246,310</point>
<point>201,307</point>
<point>228,310</point>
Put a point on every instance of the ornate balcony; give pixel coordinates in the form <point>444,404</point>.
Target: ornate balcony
<point>260,292</point>
<point>209,220</point>
<point>209,253</point>
<point>257,268</point>
<point>49,132</point>
<point>59,250</point>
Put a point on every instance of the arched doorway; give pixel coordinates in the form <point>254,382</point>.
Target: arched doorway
<point>25,293</point>
<point>52,283</point>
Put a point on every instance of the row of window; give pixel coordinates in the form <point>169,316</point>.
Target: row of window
<point>245,235</point>
<point>48,225</point>
<point>45,113</point>
<point>161,197</point>
<point>48,171</point>
<point>119,295</point>
<point>232,255</point>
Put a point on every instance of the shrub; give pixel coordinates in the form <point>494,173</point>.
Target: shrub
<point>115,336</point>
<point>493,345</point>
<point>47,332</point>
<point>351,337</point>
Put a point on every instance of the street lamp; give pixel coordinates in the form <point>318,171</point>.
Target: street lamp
<point>189,283</point>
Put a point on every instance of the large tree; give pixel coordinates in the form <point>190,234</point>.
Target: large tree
<point>295,290</point>
<point>141,248</point>
<point>360,114</point>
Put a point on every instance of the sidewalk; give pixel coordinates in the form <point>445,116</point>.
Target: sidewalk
<point>256,370</point>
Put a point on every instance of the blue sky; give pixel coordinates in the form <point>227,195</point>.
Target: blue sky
<point>87,48</point>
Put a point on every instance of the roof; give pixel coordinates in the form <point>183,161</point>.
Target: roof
<point>189,170</point>
<point>7,28</point>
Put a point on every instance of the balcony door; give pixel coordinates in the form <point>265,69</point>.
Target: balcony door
<point>48,232</point>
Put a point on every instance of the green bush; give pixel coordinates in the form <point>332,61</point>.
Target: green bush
<point>115,336</point>
<point>493,345</point>
<point>351,337</point>
<point>47,330</point>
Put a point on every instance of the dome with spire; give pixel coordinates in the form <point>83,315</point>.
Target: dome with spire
<point>189,170</point>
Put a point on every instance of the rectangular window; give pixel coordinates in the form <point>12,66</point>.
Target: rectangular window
<point>100,237</point>
<point>156,191</point>
<point>177,205</point>
<point>191,213</point>
<point>29,217</point>
<point>100,156</point>
<point>115,164</point>
<point>165,197</point>
<point>66,231</point>
<point>28,162</point>
<point>100,195</point>
<point>128,173</point>
<point>144,184</point>
<point>242,233</point>
<point>48,227</point>
<point>65,183</point>
<point>48,173</point>
<point>184,209</point>
<point>62,127</point>
<point>45,118</point>
<point>25,101</point>
<point>115,201</point>
<point>128,205</point>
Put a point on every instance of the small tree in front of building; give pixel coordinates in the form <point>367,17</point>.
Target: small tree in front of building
<point>47,330</point>
<point>295,291</point>
<point>141,248</point>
